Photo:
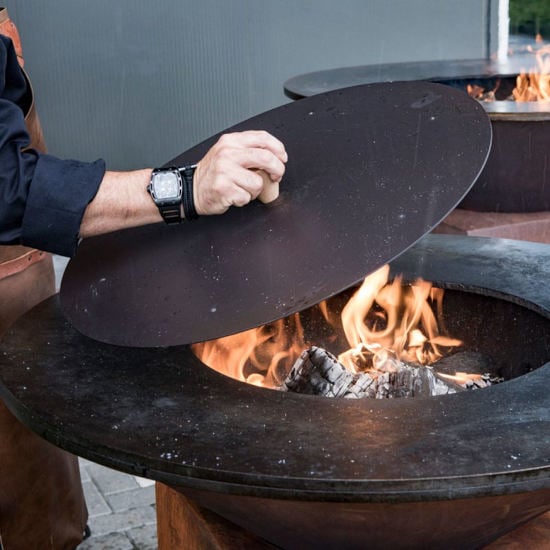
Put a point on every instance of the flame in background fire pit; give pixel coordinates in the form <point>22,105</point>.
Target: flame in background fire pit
<point>535,85</point>
<point>381,321</point>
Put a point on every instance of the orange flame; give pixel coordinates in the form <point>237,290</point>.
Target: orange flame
<point>381,321</point>
<point>479,92</point>
<point>535,85</point>
<point>258,356</point>
<point>404,310</point>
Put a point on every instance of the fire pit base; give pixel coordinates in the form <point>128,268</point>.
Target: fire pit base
<point>527,226</point>
<point>268,523</point>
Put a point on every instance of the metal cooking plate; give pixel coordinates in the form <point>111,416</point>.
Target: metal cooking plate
<point>371,170</point>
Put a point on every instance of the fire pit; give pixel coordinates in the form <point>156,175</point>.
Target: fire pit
<point>515,178</point>
<point>301,471</point>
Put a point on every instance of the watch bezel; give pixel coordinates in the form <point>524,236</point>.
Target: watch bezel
<point>167,201</point>
<point>170,208</point>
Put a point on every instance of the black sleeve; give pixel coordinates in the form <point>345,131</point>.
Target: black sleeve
<point>42,198</point>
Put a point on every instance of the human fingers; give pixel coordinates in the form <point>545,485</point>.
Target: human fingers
<point>270,188</point>
<point>255,139</point>
<point>235,150</point>
<point>218,186</point>
<point>255,158</point>
<point>232,172</point>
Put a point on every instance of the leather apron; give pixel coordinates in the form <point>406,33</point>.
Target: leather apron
<point>41,500</point>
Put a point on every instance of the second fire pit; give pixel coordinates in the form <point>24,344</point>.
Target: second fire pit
<point>516,178</point>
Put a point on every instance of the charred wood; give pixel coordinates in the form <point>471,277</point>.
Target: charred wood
<point>318,372</point>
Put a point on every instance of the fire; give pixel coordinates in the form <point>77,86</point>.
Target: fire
<point>381,321</point>
<point>478,92</point>
<point>535,85</point>
<point>260,356</point>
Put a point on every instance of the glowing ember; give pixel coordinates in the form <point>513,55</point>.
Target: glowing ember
<point>381,322</point>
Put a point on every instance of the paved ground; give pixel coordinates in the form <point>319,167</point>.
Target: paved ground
<point>121,506</point>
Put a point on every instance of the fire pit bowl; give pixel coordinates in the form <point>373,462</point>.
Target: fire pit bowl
<point>301,471</point>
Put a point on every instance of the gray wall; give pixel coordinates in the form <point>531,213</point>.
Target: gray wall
<point>138,82</point>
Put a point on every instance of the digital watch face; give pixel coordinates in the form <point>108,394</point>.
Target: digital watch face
<point>166,186</point>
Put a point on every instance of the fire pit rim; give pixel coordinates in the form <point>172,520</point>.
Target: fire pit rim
<point>314,82</point>
<point>421,489</point>
<point>528,111</point>
<point>109,446</point>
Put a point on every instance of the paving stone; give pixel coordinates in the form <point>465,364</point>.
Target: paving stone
<point>121,509</point>
<point>84,475</point>
<point>126,500</point>
<point>94,500</point>
<point>144,482</point>
<point>122,521</point>
<point>144,538</point>
<point>59,265</point>
<point>110,481</point>
<point>113,541</point>
<point>84,462</point>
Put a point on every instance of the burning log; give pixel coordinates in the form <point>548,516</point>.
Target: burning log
<point>318,372</point>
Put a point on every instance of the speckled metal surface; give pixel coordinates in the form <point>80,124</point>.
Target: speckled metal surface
<point>371,170</point>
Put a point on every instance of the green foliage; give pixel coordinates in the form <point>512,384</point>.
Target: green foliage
<point>530,17</point>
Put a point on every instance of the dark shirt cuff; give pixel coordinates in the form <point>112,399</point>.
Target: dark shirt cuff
<point>60,192</point>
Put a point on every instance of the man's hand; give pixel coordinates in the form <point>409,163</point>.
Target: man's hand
<point>227,175</point>
<point>230,174</point>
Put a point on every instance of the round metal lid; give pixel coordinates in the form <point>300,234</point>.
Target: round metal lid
<point>371,170</point>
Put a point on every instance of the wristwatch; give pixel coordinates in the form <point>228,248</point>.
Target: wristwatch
<point>172,191</point>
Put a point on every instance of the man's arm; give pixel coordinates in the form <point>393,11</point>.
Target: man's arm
<point>50,203</point>
<point>225,177</point>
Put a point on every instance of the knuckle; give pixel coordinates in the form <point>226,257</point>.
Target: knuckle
<point>223,145</point>
<point>242,200</point>
<point>255,182</point>
<point>264,156</point>
<point>224,139</point>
